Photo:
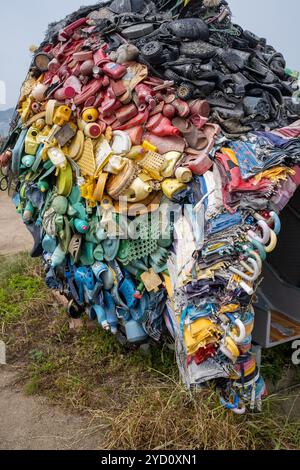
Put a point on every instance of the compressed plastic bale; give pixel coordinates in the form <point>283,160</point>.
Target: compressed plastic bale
<point>210,279</point>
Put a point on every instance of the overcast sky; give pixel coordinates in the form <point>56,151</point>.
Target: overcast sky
<point>23,23</point>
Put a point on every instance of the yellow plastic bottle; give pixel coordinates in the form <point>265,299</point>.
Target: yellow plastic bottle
<point>58,158</point>
<point>31,142</point>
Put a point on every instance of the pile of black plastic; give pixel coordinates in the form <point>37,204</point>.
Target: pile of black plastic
<point>206,55</point>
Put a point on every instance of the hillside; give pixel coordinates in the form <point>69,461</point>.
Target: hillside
<point>5,117</point>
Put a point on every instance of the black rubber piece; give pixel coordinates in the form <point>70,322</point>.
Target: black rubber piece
<point>197,50</point>
<point>75,311</point>
<point>252,39</point>
<point>240,43</point>
<point>232,61</point>
<point>3,183</point>
<point>152,52</point>
<point>170,75</point>
<point>138,31</point>
<point>36,233</point>
<point>126,6</point>
<point>189,28</point>
<point>256,106</point>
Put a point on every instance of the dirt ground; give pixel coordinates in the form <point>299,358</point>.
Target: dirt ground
<point>29,423</point>
<point>14,237</point>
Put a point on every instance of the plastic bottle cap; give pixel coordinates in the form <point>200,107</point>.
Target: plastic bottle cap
<point>95,130</point>
<point>70,92</point>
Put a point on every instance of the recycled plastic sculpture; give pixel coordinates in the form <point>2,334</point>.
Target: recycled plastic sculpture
<point>154,145</point>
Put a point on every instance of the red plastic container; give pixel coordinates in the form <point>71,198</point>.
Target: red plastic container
<point>126,113</point>
<point>114,71</point>
<point>161,126</point>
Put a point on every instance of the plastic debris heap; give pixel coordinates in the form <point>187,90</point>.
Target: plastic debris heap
<point>154,145</point>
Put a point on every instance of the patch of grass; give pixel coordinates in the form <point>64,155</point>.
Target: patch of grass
<point>277,363</point>
<point>32,386</point>
<point>167,417</point>
<point>136,396</point>
<point>21,287</point>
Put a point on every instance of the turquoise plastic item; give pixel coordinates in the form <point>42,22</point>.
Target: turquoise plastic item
<point>99,269</point>
<point>101,234</point>
<point>87,254</point>
<point>99,253</point>
<point>49,244</point>
<point>135,332</point>
<point>140,312</point>
<point>127,289</point>
<point>58,257</point>
<point>75,195</point>
<point>158,260</point>
<point>28,161</point>
<point>111,248</point>
<point>110,311</point>
<point>28,213</point>
<point>98,312</point>
<point>134,271</point>
<point>48,165</point>
<point>81,226</point>
<point>80,211</point>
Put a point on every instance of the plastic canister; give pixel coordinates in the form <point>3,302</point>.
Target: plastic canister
<point>135,332</point>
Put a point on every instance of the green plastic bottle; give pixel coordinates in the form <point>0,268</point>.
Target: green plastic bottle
<point>292,73</point>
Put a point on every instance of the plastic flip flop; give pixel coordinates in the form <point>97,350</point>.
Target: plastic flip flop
<point>74,151</point>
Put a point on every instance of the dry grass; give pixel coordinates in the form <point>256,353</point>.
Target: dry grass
<point>136,400</point>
